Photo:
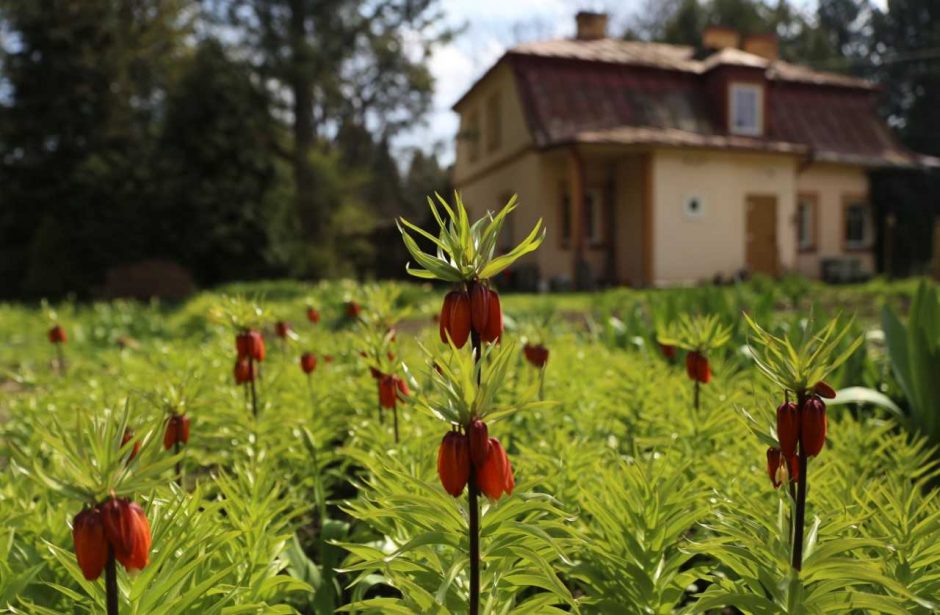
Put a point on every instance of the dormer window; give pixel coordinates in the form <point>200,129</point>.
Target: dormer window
<point>746,102</point>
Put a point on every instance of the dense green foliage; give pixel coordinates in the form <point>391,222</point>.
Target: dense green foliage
<point>159,129</point>
<point>627,499</point>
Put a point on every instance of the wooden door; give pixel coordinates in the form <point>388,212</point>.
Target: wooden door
<point>762,234</point>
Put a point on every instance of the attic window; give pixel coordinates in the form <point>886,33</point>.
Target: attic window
<point>746,109</point>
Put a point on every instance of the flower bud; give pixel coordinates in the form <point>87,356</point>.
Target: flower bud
<point>668,351</point>
<point>282,329</point>
<point>824,390</point>
<point>494,322</point>
<point>479,442</point>
<point>313,315</point>
<point>537,355</point>
<point>495,477</point>
<point>813,426</point>
<point>250,344</point>
<point>697,368</point>
<point>479,306</point>
<point>352,309</point>
<point>127,437</point>
<point>244,371</point>
<point>177,431</point>
<point>128,531</point>
<point>388,391</point>
<point>57,335</point>
<point>308,362</point>
<point>453,463</point>
<point>91,546</point>
<point>788,427</point>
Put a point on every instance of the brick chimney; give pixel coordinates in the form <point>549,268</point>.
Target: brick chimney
<point>763,45</point>
<point>715,38</point>
<point>591,26</point>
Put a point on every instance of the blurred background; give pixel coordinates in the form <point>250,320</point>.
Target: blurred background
<point>155,146</point>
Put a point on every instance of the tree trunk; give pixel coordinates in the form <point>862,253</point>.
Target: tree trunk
<point>301,85</point>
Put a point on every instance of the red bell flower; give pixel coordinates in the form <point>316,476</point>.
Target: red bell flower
<point>479,440</point>
<point>282,329</point>
<point>244,370</point>
<point>57,335</point>
<point>177,431</point>
<point>494,321</point>
<point>824,390</point>
<point>250,344</point>
<point>780,468</point>
<point>127,437</point>
<point>128,532</point>
<point>375,373</point>
<point>813,426</point>
<point>788,427</point>
<point>453,463</point>
<point>479,306</point>
<point>313,315</point>
<point>536,354</point>
<point>494,477</point>
<point>388,391</point>
<point>668,351</point>
<point>455,318</point>
<point>352,309</point>
<point>697,368</point>
<point>91,547</point>
<point>308,362</point>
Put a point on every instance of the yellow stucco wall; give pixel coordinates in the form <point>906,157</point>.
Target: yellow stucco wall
<point>689,249</point>
<point>522,176</point>
<point>514,132</point>
<point>832,185</point>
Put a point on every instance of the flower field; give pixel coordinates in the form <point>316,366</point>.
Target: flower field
<point>164,460</point>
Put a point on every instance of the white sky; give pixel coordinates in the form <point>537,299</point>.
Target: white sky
<point>490,27</point>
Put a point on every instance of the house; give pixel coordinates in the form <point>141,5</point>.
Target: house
<point>657,164</point>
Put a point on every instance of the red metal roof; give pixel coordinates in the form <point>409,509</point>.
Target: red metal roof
<point>647,93</point>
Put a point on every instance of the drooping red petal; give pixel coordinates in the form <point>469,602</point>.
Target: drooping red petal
<point>788,427</point>
<point>459,325</point>
<point>494,323</point>
<point>479,440</point>
<point>453,463</point>
<point>813,426</point>
<point>91,546</point>
<point>479,307</point>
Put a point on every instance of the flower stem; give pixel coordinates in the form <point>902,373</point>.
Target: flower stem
<point>695,396</point>
<point>474,508</point>
<point>60,359</point>
<point>110,584</point>
<point>472,495</point>
<point>800,514</point>
<point>179,464</point>
<point>395,419</point>
<point>254,394</point>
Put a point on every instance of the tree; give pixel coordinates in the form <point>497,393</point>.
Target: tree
<point>84,81</point>
<point>216,174</point>
<point>355,61</point>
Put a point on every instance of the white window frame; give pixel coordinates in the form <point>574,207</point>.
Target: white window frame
<point>807,203</point>
<point>748,131</point>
